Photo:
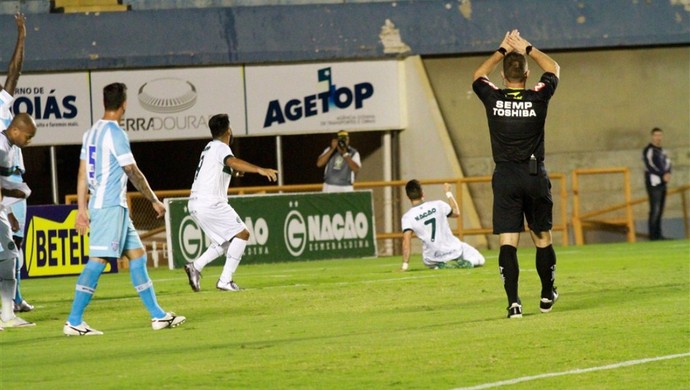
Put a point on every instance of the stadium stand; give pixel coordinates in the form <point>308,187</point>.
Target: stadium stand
<point>11,7</point>
<point>79,6</point>
<point>176,4</point>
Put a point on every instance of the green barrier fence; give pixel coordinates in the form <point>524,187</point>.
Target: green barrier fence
<point>284,227</point>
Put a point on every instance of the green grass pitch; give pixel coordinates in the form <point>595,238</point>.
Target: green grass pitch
<point>622,322</point>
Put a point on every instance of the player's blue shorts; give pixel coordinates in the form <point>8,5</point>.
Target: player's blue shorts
<point>111,232</point>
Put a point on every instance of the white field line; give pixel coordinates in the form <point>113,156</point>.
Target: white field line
<point>574,372</point>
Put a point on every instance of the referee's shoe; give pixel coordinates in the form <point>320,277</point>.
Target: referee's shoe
<point>515,310</point>
<point>546,304</point>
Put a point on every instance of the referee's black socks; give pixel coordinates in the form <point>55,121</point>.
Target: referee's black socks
<point>546,268</point>
<point>510,272</point>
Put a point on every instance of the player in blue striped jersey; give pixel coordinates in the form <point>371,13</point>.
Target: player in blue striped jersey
<point>106,164</point>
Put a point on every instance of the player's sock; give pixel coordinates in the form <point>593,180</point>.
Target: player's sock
<point>18,298</point>
<point>546,268</point>
<point>86,286</point>
<point>232,259</point>
<point>8,285</point>
<point>510,271</point>
<point>144,286</point>
<point>211,253</point>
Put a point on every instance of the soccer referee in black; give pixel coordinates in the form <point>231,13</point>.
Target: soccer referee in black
<point>521,187</point>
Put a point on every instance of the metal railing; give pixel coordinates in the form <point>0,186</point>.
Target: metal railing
<point>145,219</point>
<point>599,218</point>
<point>153,229</point>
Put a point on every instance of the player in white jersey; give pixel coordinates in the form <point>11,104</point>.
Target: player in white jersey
<point>17,218</point>
<point>429,221</point>
<point>208,205</point>
<point>106,164</point>
<point>16,131</point>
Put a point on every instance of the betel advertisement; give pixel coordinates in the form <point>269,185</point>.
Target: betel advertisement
<point>292,99</point>
<point>52,246</point>
<point>284,227</point>
<point>167,104</point>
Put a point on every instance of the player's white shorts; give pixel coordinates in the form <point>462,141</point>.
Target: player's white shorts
<point>8,250</point>
<point>465,252</point>
<point>333,188</point>
<point>219,221</point>
<point>111,232</point>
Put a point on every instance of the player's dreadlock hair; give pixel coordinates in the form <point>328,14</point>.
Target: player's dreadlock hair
<point>515,67</point>
<point>114,96</point>
<point>413,189</point>
<point>219,124</point>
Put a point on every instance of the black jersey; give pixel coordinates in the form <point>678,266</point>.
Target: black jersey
<point>516,118</point>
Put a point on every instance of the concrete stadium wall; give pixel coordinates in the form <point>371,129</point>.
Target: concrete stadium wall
<point>625,66</point>
<point>604,108</point>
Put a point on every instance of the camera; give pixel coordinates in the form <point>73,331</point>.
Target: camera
<point>342,142</point>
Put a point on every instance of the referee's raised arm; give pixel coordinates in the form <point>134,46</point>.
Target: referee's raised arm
<point>522,46</point>
<point>488,66</point>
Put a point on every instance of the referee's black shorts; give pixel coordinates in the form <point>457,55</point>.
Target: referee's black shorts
<point>519,196</point>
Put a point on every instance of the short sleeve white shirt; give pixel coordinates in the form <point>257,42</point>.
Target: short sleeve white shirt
<point>212,176</point>
<point>429,221</point>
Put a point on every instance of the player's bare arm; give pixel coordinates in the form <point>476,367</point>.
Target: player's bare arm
<point>139,181</point>
<point>14,193</point>
<point>15,67</point>
<point>244,166</point>
<point>451,201</point>
<point>14,223</point>
<point>406,249</point>
<point>81,224</point>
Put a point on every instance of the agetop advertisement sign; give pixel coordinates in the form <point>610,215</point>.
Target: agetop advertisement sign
<point>311,226</point>
<point>323,97</point>
<point>165,104</point>
<point>59,103</point>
